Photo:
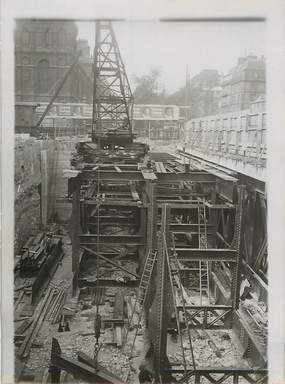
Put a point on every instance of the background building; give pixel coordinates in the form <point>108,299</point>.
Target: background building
<point>44,51</point>
<point>158,122</point>
<point>243,84</point>
<point>205,93</point>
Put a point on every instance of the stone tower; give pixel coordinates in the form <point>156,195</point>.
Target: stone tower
<point>44,50</point>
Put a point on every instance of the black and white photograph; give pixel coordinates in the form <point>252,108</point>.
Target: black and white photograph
<point>140,232</point>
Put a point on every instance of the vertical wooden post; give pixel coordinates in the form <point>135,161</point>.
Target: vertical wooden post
<point>44,188</point>
<point>151,214</point>
<point>75,229</point>
<point>236,270</point>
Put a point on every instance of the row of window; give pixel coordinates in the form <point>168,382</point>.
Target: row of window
<point>202,140</point>
<point>45,38</point>
<point>26,60</point>
<point>44,78</point>
<point>244,122</point>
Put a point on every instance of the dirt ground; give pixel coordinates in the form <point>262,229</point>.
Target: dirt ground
<point>117,359</point>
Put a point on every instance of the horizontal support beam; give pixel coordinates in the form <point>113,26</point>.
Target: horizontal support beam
<point>179,205</point>
<point>195,177</point>
<point>110,166</point>
<point>178,192</point>
<point>206,371</point>
<point>112,255</point>
<point>113,202</point>
<point>181,228</point>
<point>196,254</point>
<point>219,206</point>
<point>206,307</point>
<point>178,200</point>
<point>111,219</point>
<point>85,282</point>
<point>112,175</point>
<point>91,239</point>
<point>113,223</point>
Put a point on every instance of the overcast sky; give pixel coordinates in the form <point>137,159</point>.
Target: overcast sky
<point>172,45</point>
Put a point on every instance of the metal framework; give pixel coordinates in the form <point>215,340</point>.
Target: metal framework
<point>228,375</point>
<point>191,217</point>
<point>112,97</point>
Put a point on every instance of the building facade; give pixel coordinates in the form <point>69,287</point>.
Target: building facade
<point>44,51</point>
<point>243,84</point>
<point>157,121</point>
<point>205,93</point>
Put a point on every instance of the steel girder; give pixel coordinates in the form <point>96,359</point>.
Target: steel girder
<point>91,239</point>
<point>211,317</point>
<point>191,254</point>
<point>219,376</point>
<point>84,368</point>
<point>194,177</point>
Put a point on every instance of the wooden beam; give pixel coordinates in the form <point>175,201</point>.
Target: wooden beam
<point>197,254</point>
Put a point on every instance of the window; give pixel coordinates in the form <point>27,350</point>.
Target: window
<point>238,137</point>
<point>38,39</point>
<point>43,71</point>
<point>26,80</point>
<point>46,38</point>
<point>61,61</point>
<point>25,60</point>
<point>263,120</point>
<point>61,37</point>
<point>26,37</point>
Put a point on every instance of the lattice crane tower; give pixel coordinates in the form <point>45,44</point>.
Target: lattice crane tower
<point>112,96</point>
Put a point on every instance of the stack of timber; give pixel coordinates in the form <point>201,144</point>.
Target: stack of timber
<point>39,260</point>
<point>48,309</point>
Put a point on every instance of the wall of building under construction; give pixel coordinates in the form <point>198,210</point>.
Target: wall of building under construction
<point>40,189</point>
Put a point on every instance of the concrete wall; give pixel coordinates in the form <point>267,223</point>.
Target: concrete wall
<point>40,189</point>
<point>27,198</point>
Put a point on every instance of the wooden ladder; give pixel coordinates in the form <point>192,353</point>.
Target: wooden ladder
<point>143,289</point>
<point>204,284</point>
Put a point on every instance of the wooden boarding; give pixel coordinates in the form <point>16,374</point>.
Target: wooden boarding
<point>148,175</point>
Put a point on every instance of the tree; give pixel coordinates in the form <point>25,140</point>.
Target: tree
<point>148,90</point>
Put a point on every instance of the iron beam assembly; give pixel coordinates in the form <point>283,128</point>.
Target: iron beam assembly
<point>195,177</point>
<point>111,262</point>
<point>116,255</point>
<point>215,307</point>
<point>196,254</point>
<point>91,239</point>
<point>88,282</point>
<point>113,203</point>
<point>79,369</point>
<point>227,372</point>
<point>185,228</point>
<point>111,219</point>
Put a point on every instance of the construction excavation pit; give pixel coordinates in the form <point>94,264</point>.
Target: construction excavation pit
<point>136,262</point>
